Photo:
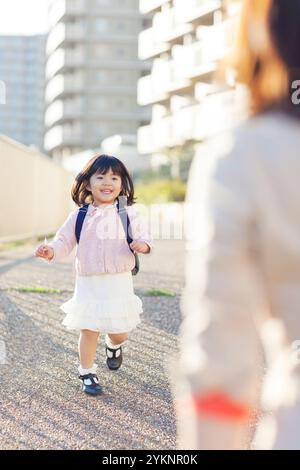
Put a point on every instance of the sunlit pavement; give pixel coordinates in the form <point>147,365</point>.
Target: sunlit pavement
<point>41,403</point>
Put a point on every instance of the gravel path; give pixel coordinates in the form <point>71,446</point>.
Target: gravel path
<point>41,403</point>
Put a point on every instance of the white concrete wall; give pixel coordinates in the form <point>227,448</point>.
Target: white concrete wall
<point>34,192</point>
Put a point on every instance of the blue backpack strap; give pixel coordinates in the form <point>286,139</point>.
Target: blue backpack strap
<point>79,221</point>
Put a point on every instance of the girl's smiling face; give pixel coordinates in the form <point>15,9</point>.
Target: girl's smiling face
<point>105,188</point>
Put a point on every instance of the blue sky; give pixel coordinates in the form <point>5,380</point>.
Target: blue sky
<point>23,16</point>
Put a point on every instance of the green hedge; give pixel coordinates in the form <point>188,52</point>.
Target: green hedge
<point>160,191</point>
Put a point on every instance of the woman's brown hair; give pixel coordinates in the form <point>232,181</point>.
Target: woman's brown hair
<point>267,56</point>
<point>101,164</point>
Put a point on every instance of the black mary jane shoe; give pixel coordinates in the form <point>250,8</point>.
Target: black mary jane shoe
<point>90,384</point>
<point>114,362</point>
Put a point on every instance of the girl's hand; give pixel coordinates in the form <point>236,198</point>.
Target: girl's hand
<point>140,247</point>
<point>45,251</point>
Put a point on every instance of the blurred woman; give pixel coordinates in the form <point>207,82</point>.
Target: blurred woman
<point>240,336</point>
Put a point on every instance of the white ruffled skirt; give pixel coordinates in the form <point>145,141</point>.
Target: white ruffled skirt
<point>105,303</point>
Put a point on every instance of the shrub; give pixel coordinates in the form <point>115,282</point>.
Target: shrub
<point>160,191</point>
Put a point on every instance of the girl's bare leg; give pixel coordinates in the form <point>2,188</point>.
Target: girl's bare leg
<point>87,346</point>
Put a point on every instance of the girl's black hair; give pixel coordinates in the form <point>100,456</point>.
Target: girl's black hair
<point>101,164</point>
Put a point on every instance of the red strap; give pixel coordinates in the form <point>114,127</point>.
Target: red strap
<point>220,406</point>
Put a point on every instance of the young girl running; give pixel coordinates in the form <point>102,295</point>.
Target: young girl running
<point>108,234</point>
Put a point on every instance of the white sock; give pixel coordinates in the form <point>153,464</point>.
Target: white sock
<point>91,370</point>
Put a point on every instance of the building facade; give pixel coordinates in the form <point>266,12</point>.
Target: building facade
<point>186,41</point>
<point>92,72</point>
<point>22,75</point>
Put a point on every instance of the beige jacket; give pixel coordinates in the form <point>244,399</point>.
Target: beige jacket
<point>242,297</point>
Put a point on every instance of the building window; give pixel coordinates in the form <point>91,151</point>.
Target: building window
<point>101,77</point>
<point>119,103</point>
<point>103,3</point>
<point>120,52</point>
<point>102,51</point>
<point>101,25</point>
<point>121,27</point>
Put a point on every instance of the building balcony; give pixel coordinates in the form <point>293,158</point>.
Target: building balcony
<point>64,135</point>
<point>166,78</point>
<point>184,125</point>
<point>66,34</point>
<point>64,58</point>
<point>61,110</point>
<point>62,8</point>
<point>197,11</point>
<point>169,27</point>
<point>194,61</point>
<point>170,131</point>
<point>216,40</point>
<point>219,113</point>
<point>62,85</point>
<point>77,109</point>
<point>201,57</point>
<point>149,6</point>
<point>55,63</point>
<point>150,45</point>
<point>154,137</point>
<point>71,84</point>
<point>193,123</point>
<point>150,91</point>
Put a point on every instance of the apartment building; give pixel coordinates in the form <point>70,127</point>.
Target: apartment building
<point>92,72</point>
<point>22,77</point>
<point>186,41</point>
